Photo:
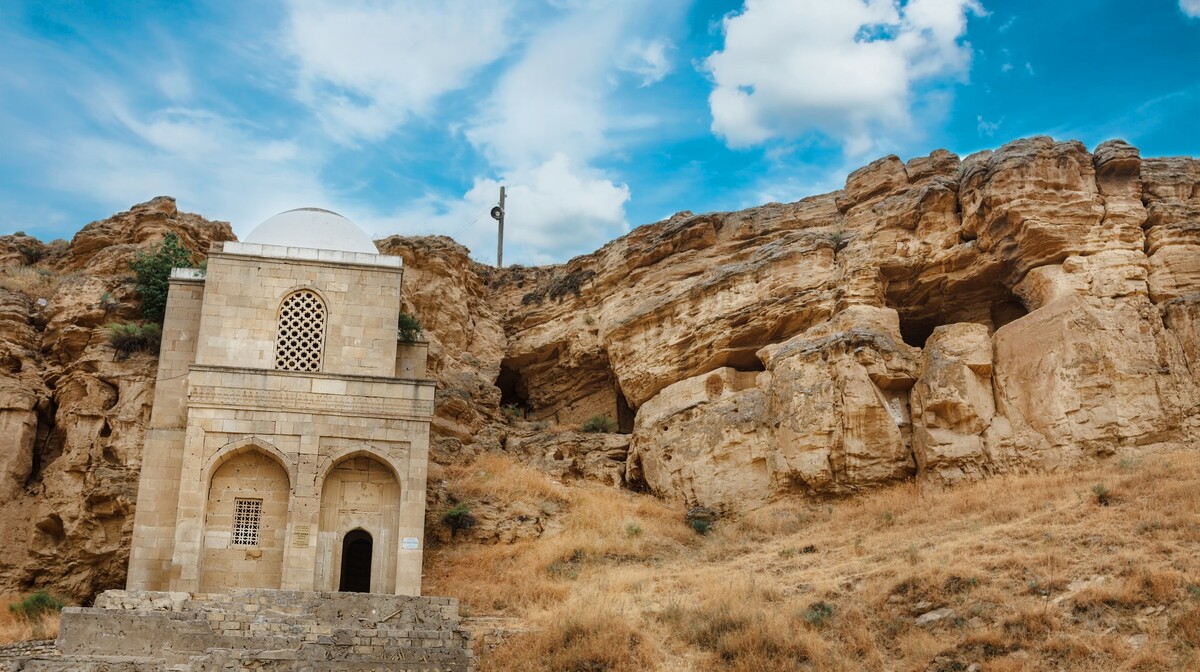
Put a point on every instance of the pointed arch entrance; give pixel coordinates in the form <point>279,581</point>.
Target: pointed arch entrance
<point>356,562</point>
<point>358,535</point>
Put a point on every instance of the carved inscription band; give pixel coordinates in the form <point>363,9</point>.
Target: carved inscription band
<point>277,400</point>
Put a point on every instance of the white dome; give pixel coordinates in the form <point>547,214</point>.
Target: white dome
<point>312,228</point>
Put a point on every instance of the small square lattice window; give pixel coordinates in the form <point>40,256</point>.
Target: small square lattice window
<point>247,520</point>
<point>301,336</point>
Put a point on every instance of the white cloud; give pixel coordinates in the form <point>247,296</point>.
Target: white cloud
<point>844,68</point>
<point>648,60</point>
<point>987,128</point>
<point>552,100</point>
<point>552,210</point>
<point>365,67</point>
<point>551,116</point>
<point>209,163</point>
<point>1190,7</point>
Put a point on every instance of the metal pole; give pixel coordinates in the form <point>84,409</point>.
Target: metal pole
<point>500,238</point>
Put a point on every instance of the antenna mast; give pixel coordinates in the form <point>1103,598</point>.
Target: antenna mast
<point>498,215</point>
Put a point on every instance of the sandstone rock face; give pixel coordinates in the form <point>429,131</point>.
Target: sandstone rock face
<point>1024,308</point>
<point>448,293</point>
<point>1020,309</point>
<point>953,403</point>
<point>72,414</point>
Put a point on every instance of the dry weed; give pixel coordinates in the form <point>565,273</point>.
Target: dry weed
<point>36,283</point>
<point>16,629</point>
<point>581,635</point>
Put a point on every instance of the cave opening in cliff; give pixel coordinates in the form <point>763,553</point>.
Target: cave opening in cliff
<point>745,360</point>
<point>991,304</point>
<point>625,414</point>
<point>514,391</point>
<point>916,331</point>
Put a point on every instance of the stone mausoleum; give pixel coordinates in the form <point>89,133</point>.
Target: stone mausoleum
<point>290,430</point>
<point>283,474</point>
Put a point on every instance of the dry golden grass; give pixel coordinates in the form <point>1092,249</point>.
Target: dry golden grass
<point>494,476</point>
<point>602,527</point>
<point>33,282</point>
<point>1040,575</point>
<point>15,629</point>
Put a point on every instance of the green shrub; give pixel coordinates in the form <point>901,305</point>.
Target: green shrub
<point>818,613</point>
<point>31,254</point>
<point>107,302</point>
<point>459,518</point>
<point>130,337</point>
<point>513,412</point>
<point>600,423</point>
<point>701,526</point>
<point>1103,494</point>
<point>408,328</point>
<point>153,269</point>
<point>34,606</point>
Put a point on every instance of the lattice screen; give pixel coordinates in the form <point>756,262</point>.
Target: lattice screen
<point>247,521</point>
<point>301,337</point>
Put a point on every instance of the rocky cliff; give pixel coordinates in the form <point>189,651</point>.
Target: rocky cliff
<point>1023,309</point>
<point>72,413</point>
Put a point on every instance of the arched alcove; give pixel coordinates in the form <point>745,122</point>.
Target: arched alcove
<point>359,493</point>
<point>245,524</point>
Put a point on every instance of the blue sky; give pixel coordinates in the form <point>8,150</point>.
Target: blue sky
<point>598,116</point>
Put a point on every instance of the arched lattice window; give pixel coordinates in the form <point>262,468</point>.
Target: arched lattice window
<point>301,337</point>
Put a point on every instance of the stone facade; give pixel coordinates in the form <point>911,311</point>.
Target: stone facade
<point>289,438</point>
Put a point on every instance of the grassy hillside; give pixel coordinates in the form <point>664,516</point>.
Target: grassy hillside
<point>1095,569</point>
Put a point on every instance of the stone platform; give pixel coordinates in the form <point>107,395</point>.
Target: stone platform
<point>269,630</point>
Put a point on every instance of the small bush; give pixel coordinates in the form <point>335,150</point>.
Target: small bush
<point>153,269</point>
<point>107,302</point>
<point>701,526</point>
<point>600,424</point>
<point>129,337</point>
<point>408,328</point>
<point>34,606</point>
<point>1103,494</point>
<point>459,518</point>
<point>558,287</point>
<point>31,254</point>
<point>818,614</point>
<point>513,412</point>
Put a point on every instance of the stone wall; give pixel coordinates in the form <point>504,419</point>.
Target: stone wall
<point>259,630</point>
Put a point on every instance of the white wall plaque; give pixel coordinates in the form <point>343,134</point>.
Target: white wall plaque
<point>411,543</point>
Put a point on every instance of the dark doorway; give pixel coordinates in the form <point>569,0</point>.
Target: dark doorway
<point>356,562</point>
